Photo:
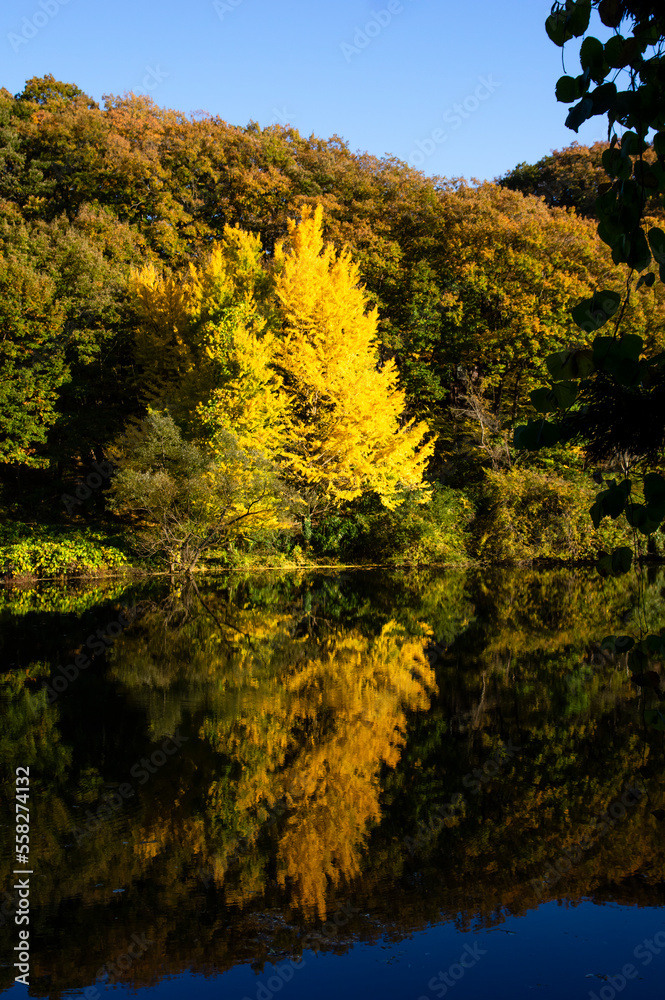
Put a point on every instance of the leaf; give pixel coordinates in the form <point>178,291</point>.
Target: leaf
<point>542,400</point>
<point>536,434</point>
<point>657,244</point>
<point>610,502</point>
<point>649,678</point>
<point>613,162</point>
<point>639,254</point>
<point>570,364</point>
<point>592,58</point>
<point>603,97</point>
<point>659,143</point>
<point>616,356</point>
<point>610,13</point>
<point>593,313</point>
<point>614,51</point>
<point>622,560</point>
<point>615,564</point>
<point>557,28</point>
<point>579,114</point>
<point>579,15</point>
<point>655,645</point>
<point>631,144</point>
<point>656,512</point>
<point>568,89</point>
<point>638,517</point>
<point>654,486</point>
<point>646,279</point>
<point>597,513</point>
<point>565,394</point>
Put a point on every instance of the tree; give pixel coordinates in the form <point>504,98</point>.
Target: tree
<point>184,501</point>
<point>187,322</point>
<point>31,358</point>
<point>567,178</point>
<point>346,433</point>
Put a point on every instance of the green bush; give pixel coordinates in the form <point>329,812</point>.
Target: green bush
<point>527,514</point>
<point>43,551</point>
<point>429,533</point>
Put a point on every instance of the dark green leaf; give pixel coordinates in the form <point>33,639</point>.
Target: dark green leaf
<point>646,279</point>
<point>622,560</point>
<point>614,501</point>
<point>542,400</point>
<point>603,97</point>
<point>610,13</point>
<point>593,313</point>
<point>597,513</point>
<point>638,517</point>
<point>565,394</point>
<point>654,486</point>
<point>637,660</point>
<point>616,564</point>
<point>578,17</point>
<point>639,254</point>
<point>570,364</point>
<point>614,51</point>
<point>568,89</point>
<point>631,144</point>
<point>536,434</point>
<point>592,58</point>
<point>655,645</point>
<point>557,28</point>
<point>646,176</point>
<point>655,513</point>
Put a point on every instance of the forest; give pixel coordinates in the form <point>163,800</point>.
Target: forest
<point>236,346</point>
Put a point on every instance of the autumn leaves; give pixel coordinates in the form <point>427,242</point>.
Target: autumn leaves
<point>275,365</point>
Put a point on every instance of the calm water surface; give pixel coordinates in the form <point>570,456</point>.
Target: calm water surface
<point>407,785</point>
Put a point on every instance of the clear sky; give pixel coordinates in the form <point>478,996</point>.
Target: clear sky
<point>385,76</point>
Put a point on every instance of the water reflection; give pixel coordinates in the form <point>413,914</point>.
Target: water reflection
<point>269,764</point>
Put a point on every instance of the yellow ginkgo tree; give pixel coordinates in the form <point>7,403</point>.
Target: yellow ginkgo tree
<point>346,433</point>
<point>188,323</point>
<point>273,373</point>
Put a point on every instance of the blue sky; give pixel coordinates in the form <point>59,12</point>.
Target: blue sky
<point>386,76</point>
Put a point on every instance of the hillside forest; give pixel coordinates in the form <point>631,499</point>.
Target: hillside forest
<point>228,345</point>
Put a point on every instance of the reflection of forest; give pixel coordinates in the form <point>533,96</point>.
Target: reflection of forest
<point>327,719</point>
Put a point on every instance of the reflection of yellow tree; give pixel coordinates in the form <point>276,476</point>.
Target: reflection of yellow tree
<point>315,745</point>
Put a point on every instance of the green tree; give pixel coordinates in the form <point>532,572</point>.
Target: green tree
<point>32,363</point>
<point>183,501</point>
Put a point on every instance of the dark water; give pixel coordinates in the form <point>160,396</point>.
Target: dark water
<point>408,785</point>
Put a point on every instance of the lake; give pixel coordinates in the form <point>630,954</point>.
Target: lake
<point>409,784</point>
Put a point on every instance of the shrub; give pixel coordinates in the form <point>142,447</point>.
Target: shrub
<point>433,532</point>
<point>528,514</point>
<point>46,552</point>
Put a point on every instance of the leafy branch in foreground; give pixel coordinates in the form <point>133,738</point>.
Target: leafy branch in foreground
<point>609,395</point>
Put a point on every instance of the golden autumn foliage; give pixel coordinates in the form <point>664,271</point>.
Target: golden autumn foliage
<point>351,698</point>
<point>187,321</point>
<point>346,435</point>
<point>287,362</point>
